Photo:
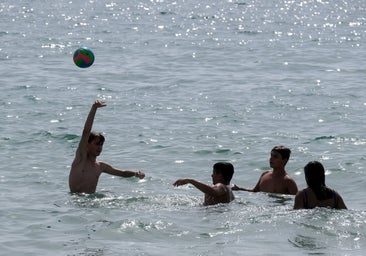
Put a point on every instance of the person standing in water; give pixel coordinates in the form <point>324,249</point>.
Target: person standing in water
<point>276,180</point>
<point>220,191</point>
<point>317,194</point>
<point>85,169</point>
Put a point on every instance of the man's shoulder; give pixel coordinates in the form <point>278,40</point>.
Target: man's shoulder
<point>288,177</point>
<point>219,185</point>
<point>267,173</point>
<point>222,187</point>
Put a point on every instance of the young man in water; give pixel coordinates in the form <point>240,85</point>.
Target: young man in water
<point>85,169</point>
<point>276,180</point>
<point>220,192</point>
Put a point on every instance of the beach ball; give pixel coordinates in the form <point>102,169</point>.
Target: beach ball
<point>83,57</point>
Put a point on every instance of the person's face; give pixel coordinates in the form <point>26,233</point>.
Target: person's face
<point>276,160</point>
<point>95,147</point>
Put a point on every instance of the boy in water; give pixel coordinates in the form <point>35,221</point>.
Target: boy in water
<point>85,169</point>
<point>220,192</point>
<point>276,180</point>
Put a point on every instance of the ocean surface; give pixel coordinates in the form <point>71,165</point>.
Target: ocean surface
<point>187,83</point>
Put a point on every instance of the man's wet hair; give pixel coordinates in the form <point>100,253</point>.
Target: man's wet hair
<point>285,152</point>
<point>95,135</point>
<point>226,170</point>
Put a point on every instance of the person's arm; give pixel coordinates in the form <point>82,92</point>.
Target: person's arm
<point>255,189</point>
<point>81,151</point>
<point>106,168</point>
<point>299,200</point>
<point>237,188</point>
<point>215,191</point>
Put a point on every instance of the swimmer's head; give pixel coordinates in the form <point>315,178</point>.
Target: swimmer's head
<point>96,135</point>
<point>285,152</point>
<point>314,174</point>
<point>225,169</point>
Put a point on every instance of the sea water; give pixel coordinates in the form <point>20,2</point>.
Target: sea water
<point>187,84</point>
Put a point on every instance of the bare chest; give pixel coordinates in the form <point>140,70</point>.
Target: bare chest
<point>91,170</point>
<point>273,185</point>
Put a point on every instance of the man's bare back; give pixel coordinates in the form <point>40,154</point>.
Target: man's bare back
<point>224,195</point>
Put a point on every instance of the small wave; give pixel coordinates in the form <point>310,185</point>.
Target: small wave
<point>217,151</point>
<point>324,138</point>
<point>167,13</point>
<point>222,151</point>
<point>203,152</point>
<point>67,137</point>
<point>249,32</point>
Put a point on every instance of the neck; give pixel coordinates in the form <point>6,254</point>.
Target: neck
<point>92,158</point>
<point>279,171</point>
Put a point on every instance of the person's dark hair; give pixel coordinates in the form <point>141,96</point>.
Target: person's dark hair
<point>94,135</point>
<point>226,169</point>
<point>284,151</point>
<point>315,178</point>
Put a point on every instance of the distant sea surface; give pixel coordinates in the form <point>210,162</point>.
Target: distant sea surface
<point>187,84</point>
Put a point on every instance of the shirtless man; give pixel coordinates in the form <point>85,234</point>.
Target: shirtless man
<point>85,169</point>
<point>276,180</point>
<point>220,192</point>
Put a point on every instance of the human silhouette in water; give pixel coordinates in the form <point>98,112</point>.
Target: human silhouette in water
<point>317,194</point>
<point>85,169</point>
